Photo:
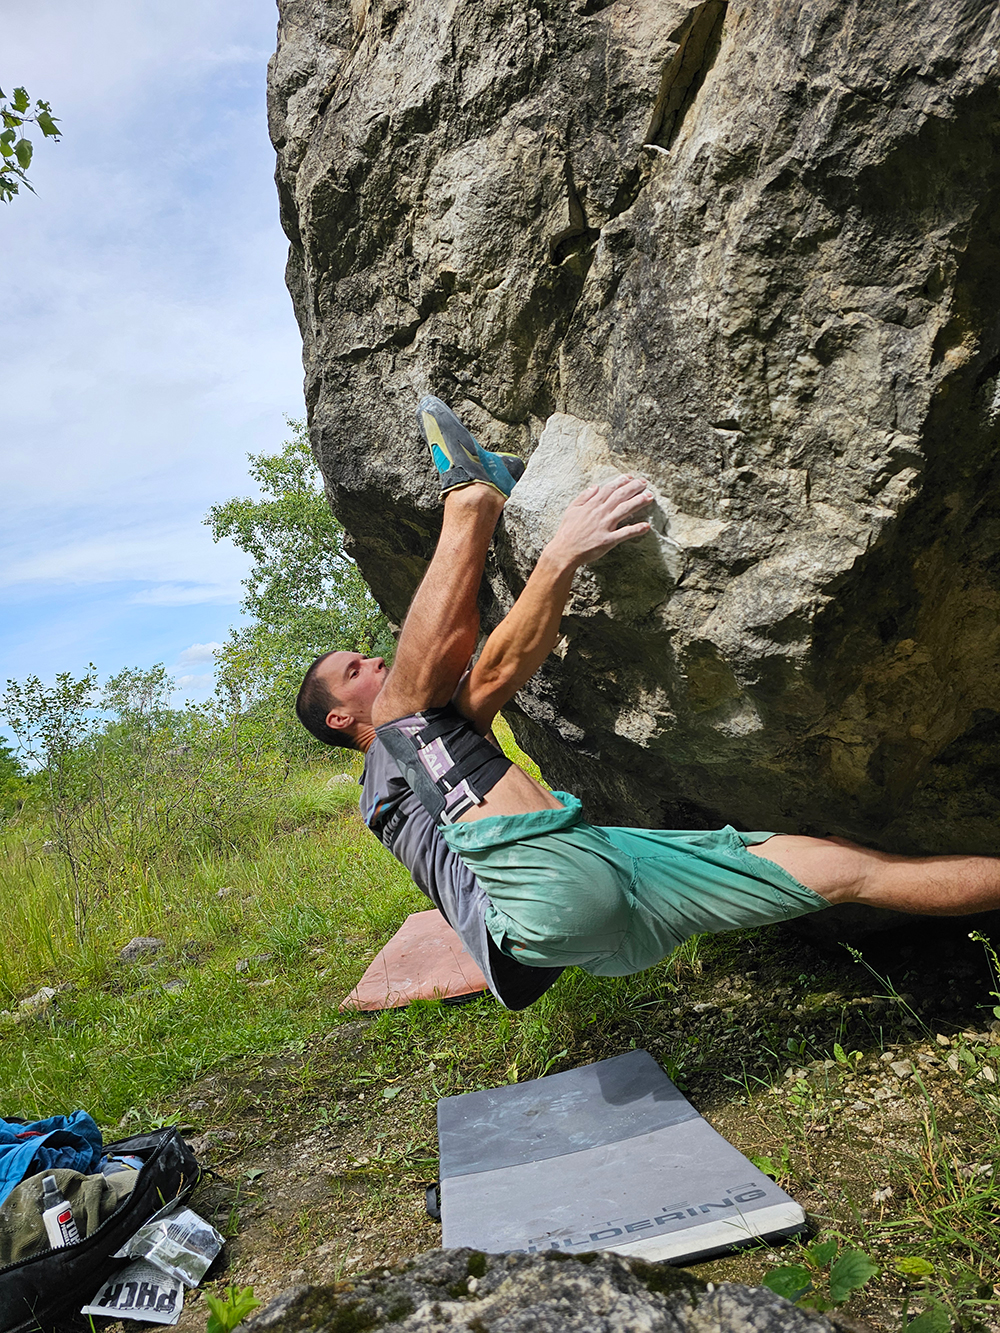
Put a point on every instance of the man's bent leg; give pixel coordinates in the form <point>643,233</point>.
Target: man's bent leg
<point>442,625</point>
<point>842,872</point>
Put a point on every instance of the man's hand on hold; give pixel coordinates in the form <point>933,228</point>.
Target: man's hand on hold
<point>590,527</point>
<point>526,635</point>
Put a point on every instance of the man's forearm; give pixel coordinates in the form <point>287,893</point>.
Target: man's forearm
<point>594,523</point>
<point>521,642</point>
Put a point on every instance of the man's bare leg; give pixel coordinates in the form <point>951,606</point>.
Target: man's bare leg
<point>442,625</point>
<point>842,872</point>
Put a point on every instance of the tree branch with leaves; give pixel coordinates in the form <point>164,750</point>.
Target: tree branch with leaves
<point>16,149</point>
<point>304,594</point>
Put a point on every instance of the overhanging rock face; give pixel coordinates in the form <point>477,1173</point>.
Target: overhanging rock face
<point>750,251</point>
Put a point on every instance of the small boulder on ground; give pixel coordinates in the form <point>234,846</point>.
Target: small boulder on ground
<point>468,1292</point>
<point>40,1000</point>
<point>142,946</point>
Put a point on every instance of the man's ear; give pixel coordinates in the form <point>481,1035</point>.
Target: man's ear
<point>339,720</point>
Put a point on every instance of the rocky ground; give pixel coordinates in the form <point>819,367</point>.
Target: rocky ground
<point>871,1104</point>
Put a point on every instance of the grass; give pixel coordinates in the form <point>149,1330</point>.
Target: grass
<point>303,902</point>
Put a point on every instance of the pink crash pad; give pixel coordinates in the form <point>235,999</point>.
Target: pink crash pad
<point>424,960</point>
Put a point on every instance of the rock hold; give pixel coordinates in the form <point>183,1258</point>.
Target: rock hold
<point>468,1292</point>
<point>749,253</point>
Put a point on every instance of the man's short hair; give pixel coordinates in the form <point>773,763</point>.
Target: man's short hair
<point>314,701</point>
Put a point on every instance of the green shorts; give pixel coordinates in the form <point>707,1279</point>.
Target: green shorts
<point>617,900</point>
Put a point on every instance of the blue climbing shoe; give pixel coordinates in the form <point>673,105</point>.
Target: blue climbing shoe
<point>458,456</point>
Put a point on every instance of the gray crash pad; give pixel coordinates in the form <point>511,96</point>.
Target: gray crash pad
<point>610,1156</point>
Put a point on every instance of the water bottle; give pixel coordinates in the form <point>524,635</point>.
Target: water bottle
<point>57,1215</point>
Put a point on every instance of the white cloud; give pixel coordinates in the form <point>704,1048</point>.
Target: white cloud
<point>198,652</point>
<point>194,682</point>
<point>187,594</point>
<point>172,552</point>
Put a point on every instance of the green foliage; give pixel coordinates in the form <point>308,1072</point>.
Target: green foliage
<point>847,1060</point>
<point>849,1273</point>
<point>826,1277</point>
<point>777,1166</point>
<point>911,1265</point>
<point>128,786</point>
<point>935,1319</point>
<point>790,1280</point>
<point>52,725</point>
<point>15,784</point>
<point>304,594</point>
<point>994,962</point>
<point>231,1310</point>
<point>15,147</point>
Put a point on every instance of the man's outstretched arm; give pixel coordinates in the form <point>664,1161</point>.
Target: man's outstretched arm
<point>530,630</point>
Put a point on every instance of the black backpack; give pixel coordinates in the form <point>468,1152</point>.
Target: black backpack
<point>50,1287</point>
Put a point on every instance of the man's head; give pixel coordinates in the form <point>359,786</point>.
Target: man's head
<point>336,696</point>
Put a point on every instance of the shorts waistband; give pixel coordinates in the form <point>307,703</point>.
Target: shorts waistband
<point>498,830</point>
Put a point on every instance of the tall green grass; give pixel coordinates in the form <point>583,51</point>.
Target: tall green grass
<point>309,887</point>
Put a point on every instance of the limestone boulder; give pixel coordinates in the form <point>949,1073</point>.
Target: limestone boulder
<point>749,251</point>
<point>467,1292</point>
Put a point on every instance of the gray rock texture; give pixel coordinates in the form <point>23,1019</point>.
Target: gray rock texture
<point>467,1292</point>
<point>748,250</point>
<point>142,946</point>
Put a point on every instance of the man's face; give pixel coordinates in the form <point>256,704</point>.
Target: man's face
<point>355,682</point>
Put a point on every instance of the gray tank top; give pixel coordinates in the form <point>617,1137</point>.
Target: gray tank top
<point>393,813</point>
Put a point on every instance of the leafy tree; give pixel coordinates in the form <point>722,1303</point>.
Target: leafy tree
<point>15,147</point>
<point>15,784</point>
<point>304,594</point>
<point>51,724</point>
<point>136,696</point>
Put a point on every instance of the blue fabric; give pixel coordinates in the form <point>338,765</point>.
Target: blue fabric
<point>71,1141</point>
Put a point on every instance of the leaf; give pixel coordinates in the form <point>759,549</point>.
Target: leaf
<point>935,1319</point>
<point>851,1271</point>
<point>21,100</point>
<point>47,125</point>
<point>912,1266</point>
<point>765,1164</point>
<point>23,150</point>
<point>228,1312</point>
<point>823,1253</point>
<point>838,1053</point>
<point>559,1055</point>
<point>791,1281</point>
<point>389,1093</point>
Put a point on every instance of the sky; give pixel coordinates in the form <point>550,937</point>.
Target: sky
<point>148,339</point>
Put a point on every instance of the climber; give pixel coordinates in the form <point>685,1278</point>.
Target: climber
<point>513,867</point>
